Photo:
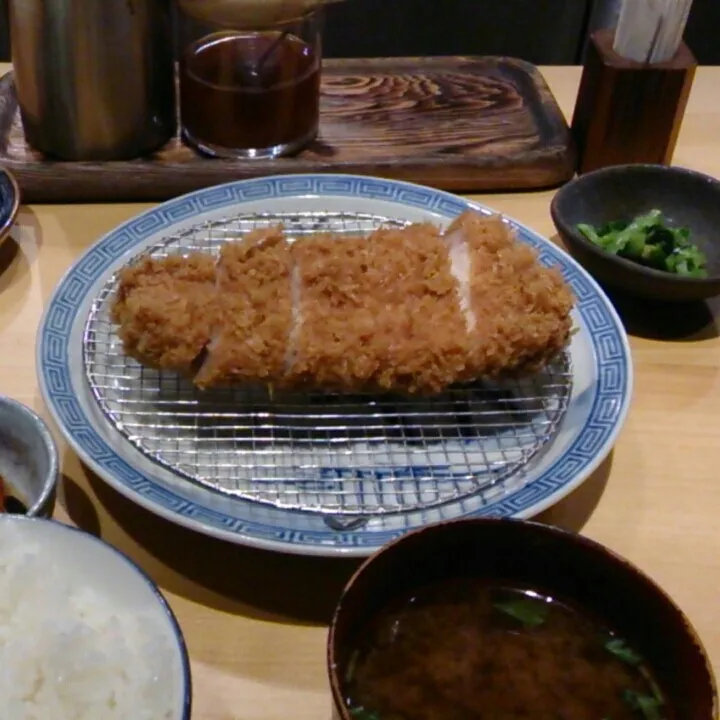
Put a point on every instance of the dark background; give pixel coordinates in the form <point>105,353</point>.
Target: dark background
<point>545,32</point>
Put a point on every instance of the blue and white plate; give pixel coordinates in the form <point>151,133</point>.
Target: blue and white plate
<point>593,410</point>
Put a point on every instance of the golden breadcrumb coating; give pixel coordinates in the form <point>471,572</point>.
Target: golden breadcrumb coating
<point>522,309</point>
<point>402,310</point>
<point>378,312</point>
<point>250,338</point>
<point>163,308</point>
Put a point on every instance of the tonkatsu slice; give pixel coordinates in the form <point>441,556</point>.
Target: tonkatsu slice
<point>409,310</point>
<point>164,308</point>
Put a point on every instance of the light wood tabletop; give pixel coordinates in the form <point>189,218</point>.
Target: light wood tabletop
<point>256,622</point>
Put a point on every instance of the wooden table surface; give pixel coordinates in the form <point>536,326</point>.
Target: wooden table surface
<point>256,622</point>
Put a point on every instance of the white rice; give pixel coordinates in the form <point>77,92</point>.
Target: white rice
<point>68,652</point>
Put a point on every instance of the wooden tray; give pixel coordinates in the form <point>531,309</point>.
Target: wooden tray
<point>457,123</point>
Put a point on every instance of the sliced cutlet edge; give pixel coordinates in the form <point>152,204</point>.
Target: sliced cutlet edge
<point>378,313</point>
<point>522,309</point>
<point>320,311</point>
<point>460,267</point>
<point>249,341</point>
<point>434,350</point>
<point>296,321</point>
<point>162,307</point>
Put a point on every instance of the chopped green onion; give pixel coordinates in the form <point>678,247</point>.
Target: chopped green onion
<point>530,613</point>
<point>619,648</point>
<point>648,240</point>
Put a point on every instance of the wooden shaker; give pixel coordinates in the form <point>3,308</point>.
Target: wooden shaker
<point>626,111</point>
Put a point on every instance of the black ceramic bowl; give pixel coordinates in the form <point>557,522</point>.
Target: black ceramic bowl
<point>531,554</point>
<point>9,202</point>
<point>621,192</point>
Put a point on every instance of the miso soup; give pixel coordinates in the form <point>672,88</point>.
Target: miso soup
<point>469,650</point>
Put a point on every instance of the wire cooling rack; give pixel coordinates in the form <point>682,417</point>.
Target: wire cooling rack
<point>341,455</point>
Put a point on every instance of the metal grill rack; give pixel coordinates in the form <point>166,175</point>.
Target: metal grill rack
<point>333,454</point>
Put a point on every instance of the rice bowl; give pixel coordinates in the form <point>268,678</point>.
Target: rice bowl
<point>84,634</point>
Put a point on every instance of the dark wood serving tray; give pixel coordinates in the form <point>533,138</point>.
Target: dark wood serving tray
<point>457,123</point>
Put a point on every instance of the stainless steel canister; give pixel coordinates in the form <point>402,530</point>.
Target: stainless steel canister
<point>94,78</point>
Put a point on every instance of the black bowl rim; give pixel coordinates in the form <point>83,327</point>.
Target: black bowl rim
<point>592,546</point>
<point>8,222</point>
<point>564,227</point>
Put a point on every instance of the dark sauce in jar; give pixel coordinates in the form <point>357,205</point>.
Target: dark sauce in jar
<point>471,650</point>
<point>249,91</point>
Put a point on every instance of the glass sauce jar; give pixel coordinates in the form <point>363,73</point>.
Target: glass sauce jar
<point>249,76</point>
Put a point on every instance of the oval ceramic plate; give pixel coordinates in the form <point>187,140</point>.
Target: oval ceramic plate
<point>599,353</point>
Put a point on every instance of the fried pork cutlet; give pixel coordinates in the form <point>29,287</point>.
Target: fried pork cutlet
<point>249,340</point>
<point>379,312</point>
<point>164,309</point>
<point>409,310</point>
<point>519,311</point>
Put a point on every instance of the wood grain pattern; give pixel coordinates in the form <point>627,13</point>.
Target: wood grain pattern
<point>626,111</point>
<point>454,123</point>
